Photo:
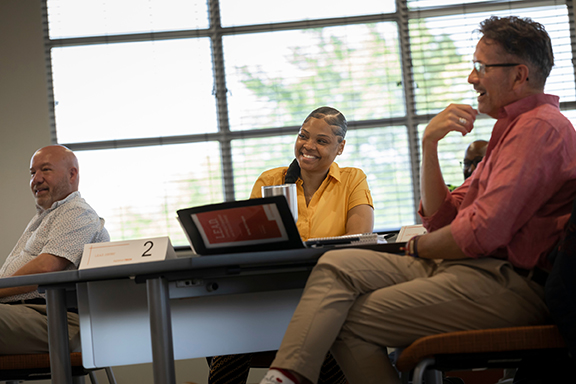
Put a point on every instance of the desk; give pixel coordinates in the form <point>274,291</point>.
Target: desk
<point>264,277</point>
<point>212,305</point>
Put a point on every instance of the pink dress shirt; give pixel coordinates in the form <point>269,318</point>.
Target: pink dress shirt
<point>518,200</point>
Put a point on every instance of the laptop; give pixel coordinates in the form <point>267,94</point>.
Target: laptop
<point>255,225</point>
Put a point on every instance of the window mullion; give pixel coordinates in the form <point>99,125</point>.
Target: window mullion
<point>49,77</point>
<point>220,91</point>
<point>409,99</point>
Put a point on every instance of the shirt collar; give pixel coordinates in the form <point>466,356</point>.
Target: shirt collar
<point>333,173</point>
<point>515,109</point>
<point>511,111</point>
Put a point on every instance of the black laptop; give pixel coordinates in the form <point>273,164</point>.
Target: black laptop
<point>253,225</point>
<point>263,224</point>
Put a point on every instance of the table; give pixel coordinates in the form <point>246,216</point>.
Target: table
<point>228,295</point>
<point>263,276</point>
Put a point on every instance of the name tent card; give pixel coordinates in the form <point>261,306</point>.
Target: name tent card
<point>127,252</point>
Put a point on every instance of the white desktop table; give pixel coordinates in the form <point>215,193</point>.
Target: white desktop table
<point>194,307</point>
<point>180,308</point>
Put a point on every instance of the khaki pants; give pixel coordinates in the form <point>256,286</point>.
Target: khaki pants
<point>24,330</point>
<point>358,302</point>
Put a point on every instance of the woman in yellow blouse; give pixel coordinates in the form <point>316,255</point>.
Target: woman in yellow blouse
<point>332,201</point>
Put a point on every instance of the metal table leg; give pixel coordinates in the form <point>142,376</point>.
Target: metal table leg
<point>58,336</point>
<point>161,331</point>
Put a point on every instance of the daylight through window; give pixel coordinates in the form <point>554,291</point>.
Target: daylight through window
<point>177,103</point>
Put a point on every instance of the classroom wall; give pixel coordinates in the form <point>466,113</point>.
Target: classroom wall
<point>24,117</point>
<point>25,127</point>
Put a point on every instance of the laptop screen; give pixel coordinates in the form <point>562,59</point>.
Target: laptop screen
<point>241,226</point>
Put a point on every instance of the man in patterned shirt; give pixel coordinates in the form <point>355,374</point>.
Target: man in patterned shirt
<point>53,241</point>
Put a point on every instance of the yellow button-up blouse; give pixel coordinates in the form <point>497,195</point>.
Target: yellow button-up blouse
<point>327,213</point>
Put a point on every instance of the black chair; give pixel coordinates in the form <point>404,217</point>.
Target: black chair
<point>428,357</point>
<point>540,352</point>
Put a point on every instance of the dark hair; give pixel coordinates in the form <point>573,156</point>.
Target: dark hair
<point>333,117</point>
<point>525,39</point>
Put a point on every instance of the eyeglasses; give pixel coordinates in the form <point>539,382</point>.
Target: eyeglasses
<point>481,67</point>
<point>468,163</point>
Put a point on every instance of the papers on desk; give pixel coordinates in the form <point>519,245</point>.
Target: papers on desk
<point>404,235</point>
<point>366,238</point>
<point>127,252</point>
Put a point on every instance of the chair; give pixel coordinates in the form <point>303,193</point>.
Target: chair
<point>429,356</point>
<point>506,347</point>
<point>16,368</point>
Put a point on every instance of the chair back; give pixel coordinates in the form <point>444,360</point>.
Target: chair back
<point>560,289</point>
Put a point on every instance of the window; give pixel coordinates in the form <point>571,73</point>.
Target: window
<point>133,90</point>
<point>172,104</point>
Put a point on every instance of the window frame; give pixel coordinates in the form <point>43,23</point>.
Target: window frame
<point>224,136</point>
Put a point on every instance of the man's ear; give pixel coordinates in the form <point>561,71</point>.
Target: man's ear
<point>73,172</point>
<point>521,73</point>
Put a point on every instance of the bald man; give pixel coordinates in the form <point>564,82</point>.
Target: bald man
<point>53,241</point>
<point>473,155</point>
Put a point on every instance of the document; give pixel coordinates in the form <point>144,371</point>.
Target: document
<point>240,226</point>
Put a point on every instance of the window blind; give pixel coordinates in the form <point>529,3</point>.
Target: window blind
<point>442,45</point>
<point>171,104</point>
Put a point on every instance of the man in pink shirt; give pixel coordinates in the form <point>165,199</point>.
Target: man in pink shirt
<point>483,262</point>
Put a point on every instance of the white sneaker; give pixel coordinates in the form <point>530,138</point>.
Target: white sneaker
<point>273,376</point>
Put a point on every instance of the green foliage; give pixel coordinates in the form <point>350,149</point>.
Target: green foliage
<point>362,78</point>
<point>334,72</point>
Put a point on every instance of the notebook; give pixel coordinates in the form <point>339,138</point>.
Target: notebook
<point>253,225</point>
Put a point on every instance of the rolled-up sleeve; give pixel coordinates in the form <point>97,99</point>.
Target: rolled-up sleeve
<point>447,211</point>
<point>73,227</point>
<point>359,190</point>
